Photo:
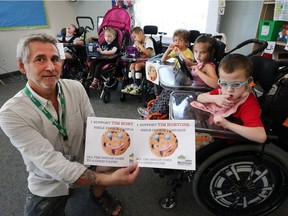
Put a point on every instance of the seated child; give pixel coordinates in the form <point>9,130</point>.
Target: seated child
<point>109,47</point>
<point>145,46</point>
<point>233,99</point>
<point>203,72</point>
<point>70,37</point>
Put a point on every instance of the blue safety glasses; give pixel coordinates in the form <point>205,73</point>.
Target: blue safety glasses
<point>233,84</point>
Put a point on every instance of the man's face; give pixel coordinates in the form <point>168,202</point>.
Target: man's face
<point>43,67</point>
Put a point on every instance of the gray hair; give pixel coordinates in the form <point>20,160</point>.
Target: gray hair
<point>22,51</point>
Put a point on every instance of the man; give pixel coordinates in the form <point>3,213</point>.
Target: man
<point>46,122</point>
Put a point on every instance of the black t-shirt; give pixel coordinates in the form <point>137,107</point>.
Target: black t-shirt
<point>107,47</point>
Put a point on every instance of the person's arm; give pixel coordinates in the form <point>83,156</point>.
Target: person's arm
<point>122,176</point>
<point>78,41</point>
<point>208,75</point>
<point>146,51</point>
<point>220,100</point>
<point>108,52</point>
<point>166,54</point>
<point>256,134</point>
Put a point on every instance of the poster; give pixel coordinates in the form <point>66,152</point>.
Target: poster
<point>281,10</point>
<point>23,14</point>
<point>151,143</point>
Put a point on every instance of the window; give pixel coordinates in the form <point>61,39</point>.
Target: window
<point>99,21</point>
<point>171,15</point>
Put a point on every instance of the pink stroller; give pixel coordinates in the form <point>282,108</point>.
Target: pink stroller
<point>118,19</point>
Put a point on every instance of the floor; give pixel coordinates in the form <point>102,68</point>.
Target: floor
<point>140,199</point>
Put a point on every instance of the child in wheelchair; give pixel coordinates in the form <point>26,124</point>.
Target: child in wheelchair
<point>203,72</point>
<point>145,46</point>
<point>109,47</point>
<point>71,36</point>
<point>234,99</point>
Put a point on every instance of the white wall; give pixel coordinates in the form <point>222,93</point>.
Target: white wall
<point>240,22</point>
<point>93,9</point>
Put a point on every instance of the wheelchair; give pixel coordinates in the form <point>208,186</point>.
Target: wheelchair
<point>235,176</point>
<point>77,68</point>
<point>147,89</point>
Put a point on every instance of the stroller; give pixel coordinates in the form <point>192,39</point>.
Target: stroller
<point>118,19</point>
<point>242,178</point>
<point>77,67</point>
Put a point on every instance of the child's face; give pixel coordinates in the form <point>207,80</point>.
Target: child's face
<point>138,37</point>
<point>201,53</point>
<point>227,80</point>
<point>180,43</point>
<point>70,30</point>
<point>109,37</point>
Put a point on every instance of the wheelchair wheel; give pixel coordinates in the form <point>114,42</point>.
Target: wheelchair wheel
<point>240,181</point>
<point>106,96</point>
<point>122,97</point>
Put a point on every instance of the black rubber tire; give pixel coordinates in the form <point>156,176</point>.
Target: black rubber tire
<point>238,181</point>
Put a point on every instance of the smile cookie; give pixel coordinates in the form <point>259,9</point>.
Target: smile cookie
<point>115,141</point>
<point>163,142</point>
<point>152,73</point>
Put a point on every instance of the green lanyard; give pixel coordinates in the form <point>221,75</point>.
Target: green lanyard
<point>61,129</point>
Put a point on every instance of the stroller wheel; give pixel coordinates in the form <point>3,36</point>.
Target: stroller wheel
<point>106,96</point>
<point>122,97</point>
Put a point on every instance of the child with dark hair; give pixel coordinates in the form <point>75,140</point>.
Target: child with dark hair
<point>145,46</point>
<point>233,99</point>
<point>72,37</point>
<point>203,72</point>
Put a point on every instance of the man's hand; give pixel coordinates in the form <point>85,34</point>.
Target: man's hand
<point>127,175</point>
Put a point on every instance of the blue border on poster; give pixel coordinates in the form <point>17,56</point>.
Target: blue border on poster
<point>23,14</point>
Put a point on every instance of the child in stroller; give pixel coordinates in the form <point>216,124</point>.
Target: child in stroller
<point>111,65</point>
<point>109,47</point>
<point>204,72</point>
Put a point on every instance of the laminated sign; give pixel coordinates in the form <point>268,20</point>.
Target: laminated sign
<point>152,72</point>
<point>159,143</point>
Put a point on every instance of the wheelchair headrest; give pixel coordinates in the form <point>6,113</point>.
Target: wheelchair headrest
<point>219,50</point>
<point>265,71</point>
<point>79,31</point>
<point>193,35</point>
<point>150,29</point>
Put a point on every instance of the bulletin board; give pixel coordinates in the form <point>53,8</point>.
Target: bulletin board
<point>16,15</point>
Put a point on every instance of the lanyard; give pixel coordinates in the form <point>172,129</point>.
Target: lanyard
<point>61,129</point>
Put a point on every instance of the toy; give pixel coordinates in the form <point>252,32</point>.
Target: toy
<point>283,34</point>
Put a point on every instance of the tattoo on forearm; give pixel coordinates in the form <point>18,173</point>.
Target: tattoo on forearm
<point>87,178</point>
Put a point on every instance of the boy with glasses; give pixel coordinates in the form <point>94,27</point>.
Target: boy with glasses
<point>234,98</point>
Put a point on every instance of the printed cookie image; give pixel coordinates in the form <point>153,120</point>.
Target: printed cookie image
<point>163,142</point>
<point>152,73</point>
<point>115,141</point>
